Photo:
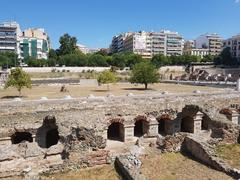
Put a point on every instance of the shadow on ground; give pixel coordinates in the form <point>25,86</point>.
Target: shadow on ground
<point>12,97</point>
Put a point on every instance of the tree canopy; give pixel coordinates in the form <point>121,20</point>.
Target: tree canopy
<point>144,73</point>
<point>68,44</point>
<point>107,77</point>
<point>18,79</point>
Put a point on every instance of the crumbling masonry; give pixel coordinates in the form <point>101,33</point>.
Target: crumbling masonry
<point>54,134</point>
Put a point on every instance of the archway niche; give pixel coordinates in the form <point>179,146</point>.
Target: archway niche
<point>48,135</point>
<point>205,122</point>
<point>116,132</point>
<point>162,123</point>
<point>141,127</point>
<point>187,124</point>
<point>19,137</point>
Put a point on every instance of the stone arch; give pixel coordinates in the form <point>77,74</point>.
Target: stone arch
<point>194,119</point>
<point>115,130</point>
<point>163,123</point>
<point>19,137</point>
<point>187,124</point>
<point>205,122</point>
<point>141,126</point>
<point>47,135</point>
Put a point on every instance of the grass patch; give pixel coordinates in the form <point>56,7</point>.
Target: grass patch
<point>230,153</point>
<point>96,173</point>
<point>175,166</point>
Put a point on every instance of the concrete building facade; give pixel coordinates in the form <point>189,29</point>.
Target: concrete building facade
<point>148,44</point>
<point>9,32</point>
<point>234,44</point>
<point>190,49</point>
<point>33,43</point>
<point>212,42</point>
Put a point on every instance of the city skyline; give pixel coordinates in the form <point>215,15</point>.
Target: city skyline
<point>94,23</point>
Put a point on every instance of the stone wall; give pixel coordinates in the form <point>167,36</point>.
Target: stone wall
<point>205,153</point>
<point>80,126</point>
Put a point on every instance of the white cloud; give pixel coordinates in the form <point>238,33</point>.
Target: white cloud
<point>237,1</point>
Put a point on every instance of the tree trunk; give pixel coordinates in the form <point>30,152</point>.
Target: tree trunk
<point>19,93</point>
<point>108,87</point>
<point>146,86</point>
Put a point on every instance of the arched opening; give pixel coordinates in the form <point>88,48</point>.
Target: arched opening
<point>141,127</point>
<point>116,132</point>
<point>162,123</point>
<point>187,124</point>
<point>47,135</point>
<point>161,126</point>
<point>205,120</point>
<point>52,138</point>
<point>19,137</point>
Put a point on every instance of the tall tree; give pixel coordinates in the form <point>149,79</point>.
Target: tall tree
<point>68,44</point>
<point>18,79</point>
<point>144,73</point>
<point>225,58</point>
<point>160,60</point>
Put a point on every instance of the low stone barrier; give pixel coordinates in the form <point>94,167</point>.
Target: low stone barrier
<point>128,166</point>
<point>205,152</point>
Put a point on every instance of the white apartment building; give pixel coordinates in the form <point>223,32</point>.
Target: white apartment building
<point>174,43</point>
<point>212,42</point>
<point>148,44</point>
<point>234,44</point>
<point>9,32</point>
<point>85,50</point>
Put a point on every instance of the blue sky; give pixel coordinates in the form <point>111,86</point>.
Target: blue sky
<point>94,22</point>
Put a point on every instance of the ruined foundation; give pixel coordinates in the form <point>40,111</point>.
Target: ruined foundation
<point>48,136</point>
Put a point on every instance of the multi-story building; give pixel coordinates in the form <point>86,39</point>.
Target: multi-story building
<point>190,49</point>
<point>174,43</point>
<point>85,50</point>
<point>234,44</point>
<point>117,44</point>
<point>33,43</point>
<point>9,32</point>
<point>148,44</point>
<point>212,42</point>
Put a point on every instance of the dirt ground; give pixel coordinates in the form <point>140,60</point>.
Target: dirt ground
<point>175,166</point>
<point>104,172</point>
<point>230,153</point>
<point>52,92</point>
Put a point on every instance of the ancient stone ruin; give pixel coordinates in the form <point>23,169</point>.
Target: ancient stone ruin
<point>47,136</point>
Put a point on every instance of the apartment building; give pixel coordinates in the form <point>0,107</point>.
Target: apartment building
<point>190,49</point>
<point>212,42</point>
<point>148,44</point>
<point>33,43</point>
<point>174,43</point>
<point>9,32</point>
<point>234,44</point>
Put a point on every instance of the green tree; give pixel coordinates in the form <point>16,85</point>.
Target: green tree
<point>68,44</point>
<point>208,58</point>
<point>52,54</point>
<point>18,79</point>
<point>160,60</point>
<point>76,59</point>
<point>225,58</point>
<point>97,60</point>
<point>107,77</point>
<point>8,59</point>
<point>144,73</point>
<point>131,59</point>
